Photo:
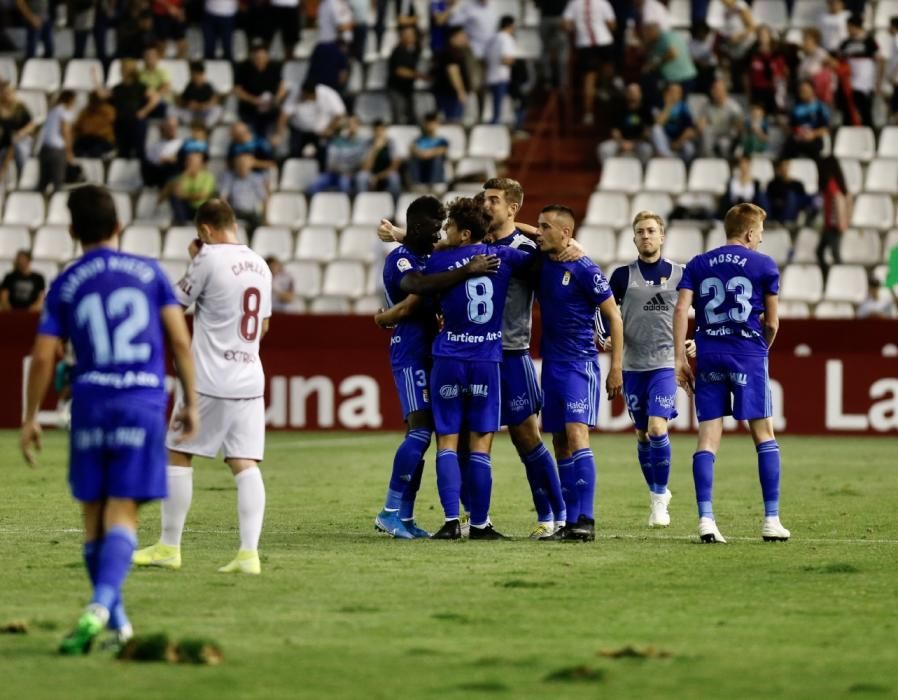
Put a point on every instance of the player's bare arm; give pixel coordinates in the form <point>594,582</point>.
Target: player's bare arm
<point>419,283</point>
<point>685,376</point>
<point>771,318</point>
<point>40,374</point>
<point>571,253</point>
<point>614,382</point>
<point>179,343</point>
<point>389,233</point>
<point>388,318</point>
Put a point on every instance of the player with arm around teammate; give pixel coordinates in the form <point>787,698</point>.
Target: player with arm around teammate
<point>117,309</point>
<point>231,287</point>
<point>569,294</point>
<point>734,292</point>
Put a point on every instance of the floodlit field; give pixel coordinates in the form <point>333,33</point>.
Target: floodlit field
<point>342,613</point>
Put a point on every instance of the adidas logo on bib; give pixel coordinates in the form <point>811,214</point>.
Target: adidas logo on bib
<point>656,303</point>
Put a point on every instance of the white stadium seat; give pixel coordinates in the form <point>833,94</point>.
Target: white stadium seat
<point>854,174</point>
<point>344,278</point>
<point>330,305</point>
<point>621,175</point>
<point>359,243</point>
<point>53,243</point>
<point>221,75</point>
<point>58,209</point>
<point>805,171</point>
<point>665,175</point>
<point>626,250</point>
<point>458,140</point>
<point>371,207</point>
<point>599,242</point>
<point>219,140</point>
<point>773,13</point>
<point>882,176</point>
<point>151,211</point>
<point>806,13</point>
<point>273,240</point>
<point>657,202</point>
<point>482,166</point>
<point>402,203</point>
<point>178,73</point>
<point>298,174</point>
<point>41,74</point>
<point>855,142</point>
<point>682,243</point>
<point>802,283</point>
<point>709,175</point>
<point>177,240</point>
<point>93,170</point>
<point>26,208</point>
<point>306,278</point>
<point>402,136</point>
<point>142,240</point>
<point>318,243</point>
<point>834,309</point>
<point>173,269</point>
<point>48,268</point>
<point>862,247</point>
<point>608,209</point>
<point>806,246</point>
<point>762,169</point>
<point>890,242</point>
<point>123,207</point>
<point>376,77</point>
<point>794,309</point>
<point>294,72</point>
<point>83,74</point>
<point>286,209</point>
<point>873,211</point>
<point>8,70</point>
<point>846,283</point>
<point>367,305</point>
<point>490,141</point>
<point>778,245</point>
<point>13,239</point>
<point>329,209</point>
<point>124,174</point>
<point>30,175</point>
<point>888,142</point>
<point>36,101</point>
<point>716,238</point>
<point>885,10</point>
<point>371,106</point>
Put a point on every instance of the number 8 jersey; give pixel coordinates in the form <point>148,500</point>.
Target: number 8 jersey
<point>231,287</point>
<point>729,285</point>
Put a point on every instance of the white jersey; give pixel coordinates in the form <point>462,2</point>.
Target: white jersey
<point>231,286</point>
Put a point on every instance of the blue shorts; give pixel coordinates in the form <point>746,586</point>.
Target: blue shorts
<point>729,385</point>
<point>465,394</point>
<point>650,393</point>
<point>572,392</point>
<point>521,395</point>
<point>412,387</point>
<point>118,450</point>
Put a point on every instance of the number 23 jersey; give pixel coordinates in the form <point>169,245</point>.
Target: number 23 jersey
<point>231,287</point>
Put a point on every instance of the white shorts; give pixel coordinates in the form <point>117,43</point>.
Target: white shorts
<point>236,426</point>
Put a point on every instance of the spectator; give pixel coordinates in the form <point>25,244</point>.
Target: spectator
<point>191,189</point>
<point>479,22</point>
<point>197,142</point>
<point>742,188</point>
<point>402,72</point>
<point>593,23</point>
<point>836,211</point>
<point>329,65</point>
<point>170,24</point>
<point>199,103</point>
<point>283,296</point>
<point>631,128</point>
<point>405,17</point>
<point>427,164</point>
<point>244,142</point>
<point>440,11</point>
<point>155,79</point>
<point>361,15</point>
<point>786,198</point>
<point>668,56</point>
<point>16,129</point>
<point>451,81</point>
<point>313,117</point>
<point>218,28</point>
<point>346,155</point>
<point>674,133</point>
<point>56,152</point>
<point>555,46</point>
<point>834,25</point>
<point>38,26</point>
<point>160,163</point>
<point>259,89</point>
<point>335,21</point>
<point>875,305</point>
<point>862,54</point>
<point>765,79</point>
<point>501,54</point>
<point>245,190</point>
<point>720,123</point>
<point>283,16</point>
<point>892,66</point>
<point>133,104</point>
<point>134,31</point>
<point>815,65</point>
<point>737,34</point>
<point>94,129</point>
<point>653,12</point>
<point>90,17</point>
<point>703,55</point>
<point>809,123</point>
<point>891,282</point>
<point>22,289</point>
<point>380,168</point>
<point>756,134</point>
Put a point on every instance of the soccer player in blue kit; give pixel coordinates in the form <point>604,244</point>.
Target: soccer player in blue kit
<point>734,291</point>
<point>569,294</point>
<point>118,310</point>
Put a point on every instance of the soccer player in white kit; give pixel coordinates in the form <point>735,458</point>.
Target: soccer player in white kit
<point>231,287</point>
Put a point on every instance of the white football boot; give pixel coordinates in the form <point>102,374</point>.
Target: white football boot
<point>659,516</point>
<point>773,530</point>
<point>708,532</point>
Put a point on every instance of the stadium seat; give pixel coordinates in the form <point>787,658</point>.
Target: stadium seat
<point>599,242</point>
<point>608,209</point>
<point>680,13</point>
<point>318,243</point>
<point>30,175</point>
<point>657,202</point>
<point>834,309</point>
<point>13,239</point>
<point>885,10</point>
<point>219,140</point>
<point>855,142</point>
<point>682,243</point>
<point>53,243</point>
<point>36,102</point>
<point>458,140</point>
<point>359,243</point>
<point>344,278</point>
<point>805,171</point>
<point>370,207</point>
<point>329,209</point>
<point>806,13</point>
<point>862,247</point>
<point>286,209</point>
<point>888,142</point>
<point>123,207</point>
<point>716,238</point>
<point>114,73</point>
<point>890,242</point>
<point>25,208</point>
<point>402,137</point>
<point>58,209</point>
<point>173,269</point>
<point>802,283</point>
<point>507,7</point>
<point>773,13</point>
<point>762,169</point>
<point>794,309</point>
<point>846,283</point>
<point>221,75</point>
<point>873,211</point>
<point>8,70</point>
<point>621,175</point>
<point>48,268</point>
<point>142,240</point>
<point>709,175</point>
<point>489,141</point>
<point>424,104</point>
<point>178,73</point>
<point>371,106</point>
<point>337,306</point>
<point>306,277</point>
<point>484,167</point>
<point>298,173</point>
<point>376,75</point>
<point>124,174</point>
<point>854,174</point>
<point>93,170</point>
<point>294,72</point>
<point>665,175</point>
<point>882,176</point>
<point>368,305</point>
<point>83,74</point>
<point>273,240</point>
<point>778,245</point>
<point>10,178</point>
<point>402,203</point>
<point>41,74</point>
<point>177,240</point>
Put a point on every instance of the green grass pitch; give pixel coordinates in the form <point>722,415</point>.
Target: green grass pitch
<point>342,613</point>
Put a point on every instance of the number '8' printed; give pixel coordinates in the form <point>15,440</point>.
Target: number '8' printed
<point>480,299</point>
<point>742,289</point>
<point>249,321</point>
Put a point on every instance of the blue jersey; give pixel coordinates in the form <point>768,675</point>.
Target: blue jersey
<point>412,337</point>
<point>108,304</point>
<point>569,293</point>
<point>473,309</point>
<point>729,285</point>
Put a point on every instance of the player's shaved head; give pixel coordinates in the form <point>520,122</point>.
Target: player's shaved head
<point>424,219</point>
<point>216,214</point>
<point>562,213</point>
<point>743,218</point>
<point>93,214</point>
<point>468,215</point>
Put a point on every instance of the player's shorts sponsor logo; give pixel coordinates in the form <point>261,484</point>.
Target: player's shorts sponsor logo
<point>656,303</point>
<point>581,406</point>
<point>740,378</point>
<point>91,438</point>
<point>519,403</point>
<point>481,390</point>
<point>449,391</point>
<point>246,358</point>
<point>666,400</point>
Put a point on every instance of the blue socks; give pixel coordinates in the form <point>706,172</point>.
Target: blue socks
<point>113,564</point>
<point>568,476</point>
<point>480,472</point>
<point>539,464</point>
<point>117,616</point>
<point>644,454</point>
<point>448,482</point>
<point>769,473</point>
<point>464,465</point>
<point>585,466</point>
<point>659,449</point>
<point>407,506</point>
<point>703,475</point>
<point>408,455</point>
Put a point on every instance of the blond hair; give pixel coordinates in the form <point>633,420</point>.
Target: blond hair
<point>742,217</point>
<point>645,215</point>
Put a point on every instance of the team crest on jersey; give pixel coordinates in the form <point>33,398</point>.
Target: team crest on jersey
<point>425,394</point>
<point>566,279</point>
<point>403,264</point>
<point>664,283</point>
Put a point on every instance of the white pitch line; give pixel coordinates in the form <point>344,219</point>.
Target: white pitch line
<point>335,442</point>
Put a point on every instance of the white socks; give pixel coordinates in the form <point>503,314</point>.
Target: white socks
<point>176,506</point>
<point>250,507</point>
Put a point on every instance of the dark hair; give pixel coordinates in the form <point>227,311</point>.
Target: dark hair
<point>94,218</point>
<point>699,29</point>
<point>308,87</point>
<point>25,252</point>
<point>65,97</point>
<point>197,67</point>
<point>828,169</point>
<point>506,22</point>
<point>454,30</point>
<point>893,22</point>
<point>511,189</point>
<point>423,218</point>
<point>856,21</point>
<point>377,123</point>
<point>431,117</point>
<point>559,209</point>
<point>216,214</point>
<point>468,214</point>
